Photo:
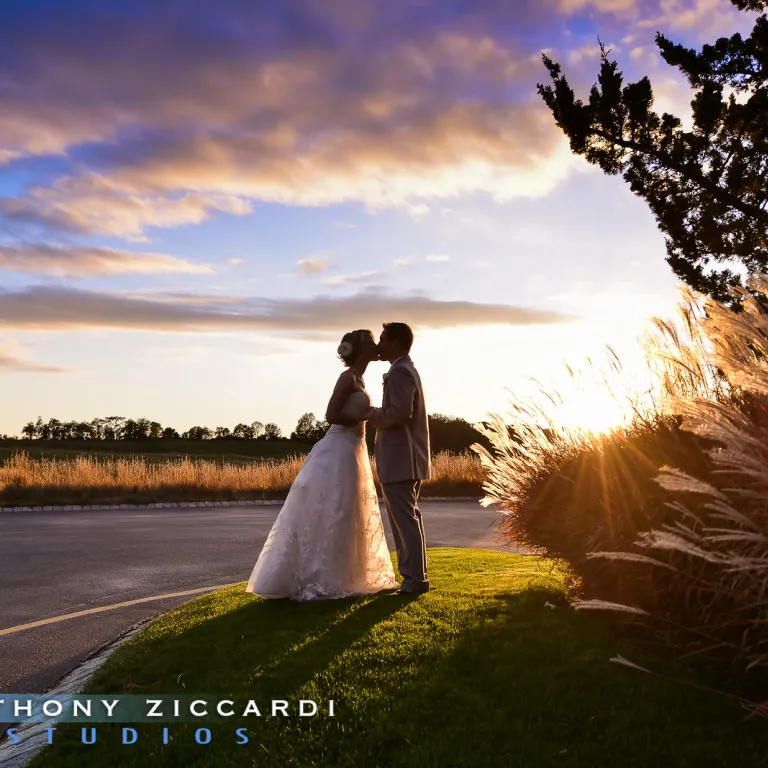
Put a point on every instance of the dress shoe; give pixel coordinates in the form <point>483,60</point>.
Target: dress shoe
<point>420,591</point>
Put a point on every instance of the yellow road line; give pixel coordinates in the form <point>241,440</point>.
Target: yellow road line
<point>77,614</point>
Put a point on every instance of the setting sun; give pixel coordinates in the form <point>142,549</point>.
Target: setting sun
<point>595,412</point>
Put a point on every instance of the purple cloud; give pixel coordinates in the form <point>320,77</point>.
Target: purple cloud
<point>61,308</point>
<point>170,111</point>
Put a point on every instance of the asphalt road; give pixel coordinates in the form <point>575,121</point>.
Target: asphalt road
<point>57,563</point>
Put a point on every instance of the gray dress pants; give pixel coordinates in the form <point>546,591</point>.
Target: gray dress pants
<point>402,502</point>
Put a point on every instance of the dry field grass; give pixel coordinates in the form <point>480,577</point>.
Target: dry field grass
<point>104,480</point>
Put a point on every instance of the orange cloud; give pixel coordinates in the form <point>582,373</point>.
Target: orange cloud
<point>89,261</point>
<point>428,116</point>
<point>312,266</point>
<point>95,204</point>
<point>12,361</point>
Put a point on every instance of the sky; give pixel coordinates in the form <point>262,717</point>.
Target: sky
<point>197,200</point>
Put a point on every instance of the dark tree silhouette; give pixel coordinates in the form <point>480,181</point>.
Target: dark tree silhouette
<point>113,426</point>
<point>272,432</point>
<point>448,433</point>
<point>139,430</point>
<point>130,430</point>
<point>83,430</point>
<point>305,428</point>
<point>197,433</point>
<point>309,429</point>
<point>707,187</point>
<point>243,432</point>
<point>321,428</point>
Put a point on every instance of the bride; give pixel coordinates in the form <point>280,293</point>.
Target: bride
<point>328,540</point>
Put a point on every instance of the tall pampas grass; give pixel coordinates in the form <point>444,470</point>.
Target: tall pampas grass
<point>696,548</point>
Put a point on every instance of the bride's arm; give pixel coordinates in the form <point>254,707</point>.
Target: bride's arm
<point>340,394</point>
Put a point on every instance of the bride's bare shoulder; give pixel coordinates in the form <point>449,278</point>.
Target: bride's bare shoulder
<point>346,379</point>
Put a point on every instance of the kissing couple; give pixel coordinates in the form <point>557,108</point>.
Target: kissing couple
<point>328,540</point>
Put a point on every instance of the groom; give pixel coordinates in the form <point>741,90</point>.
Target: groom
<point>402,454</point>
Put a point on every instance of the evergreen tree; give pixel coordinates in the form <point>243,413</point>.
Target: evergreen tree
<point>707,187</point>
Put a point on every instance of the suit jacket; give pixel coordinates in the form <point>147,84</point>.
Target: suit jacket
<point>402,429</point>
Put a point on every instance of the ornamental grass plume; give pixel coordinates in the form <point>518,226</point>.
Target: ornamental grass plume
<point>722,526</point>
<point>668,516</point>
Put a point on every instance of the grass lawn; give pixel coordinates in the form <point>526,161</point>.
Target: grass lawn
<point>479,672</point>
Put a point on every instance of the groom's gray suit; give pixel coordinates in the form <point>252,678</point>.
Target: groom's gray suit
<point>402,462</point>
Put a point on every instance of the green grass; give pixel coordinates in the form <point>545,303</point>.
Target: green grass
<point>477,672</point>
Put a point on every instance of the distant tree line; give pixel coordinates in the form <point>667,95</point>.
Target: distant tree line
<point>447,433</point>
<point>120,428</point>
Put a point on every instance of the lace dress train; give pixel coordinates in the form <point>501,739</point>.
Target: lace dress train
<point>328,540</point>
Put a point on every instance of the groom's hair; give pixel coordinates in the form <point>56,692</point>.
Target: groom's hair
<point>401,333</point>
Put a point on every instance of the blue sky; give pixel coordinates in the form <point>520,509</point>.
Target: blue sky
<point>197,200</point>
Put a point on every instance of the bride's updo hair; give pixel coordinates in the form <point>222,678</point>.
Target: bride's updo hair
<point>351,344</point>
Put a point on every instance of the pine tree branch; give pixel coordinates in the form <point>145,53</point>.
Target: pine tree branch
<point>691,172</point>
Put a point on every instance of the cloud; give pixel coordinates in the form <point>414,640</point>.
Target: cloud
<point>361,277</point>
<point>75,77</point>
<point>47,308</point>
<point>312,266</point>
<point>261,102</point>
<point>604,6</point>
<point>78,261</point>
<point>11,360</point>
<point>704,18</point>
<point>235,262</point>
<point>440,151</point>
<point>590,53</point>
<point>163,118</point>
<point>418,210</point>
<point>401,263</point>
<point>437,257</point>
<point>94,204</point>
<point>9,363</point>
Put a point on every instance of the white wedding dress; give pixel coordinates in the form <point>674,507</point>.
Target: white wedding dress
<point>328,539</point>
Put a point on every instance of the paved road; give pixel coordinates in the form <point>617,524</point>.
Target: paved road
<point>55,563</point>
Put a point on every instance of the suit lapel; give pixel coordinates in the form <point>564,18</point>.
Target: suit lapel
<point>403,359</point>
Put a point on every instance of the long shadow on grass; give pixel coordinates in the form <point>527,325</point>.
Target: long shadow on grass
<point>216,657</point>
<point>446,680</point>
<point>232,654</point>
